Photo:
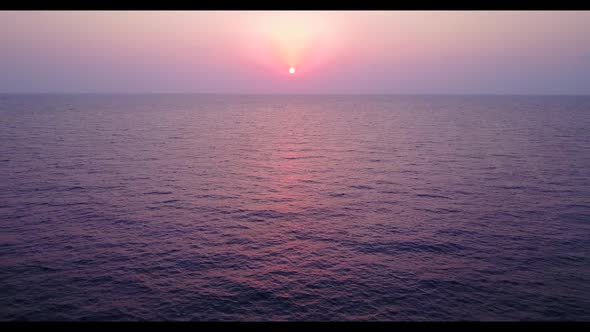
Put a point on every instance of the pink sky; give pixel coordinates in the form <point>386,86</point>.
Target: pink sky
<point>333,52</point>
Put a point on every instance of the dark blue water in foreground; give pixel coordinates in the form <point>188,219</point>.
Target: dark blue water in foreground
<point>294,208</point>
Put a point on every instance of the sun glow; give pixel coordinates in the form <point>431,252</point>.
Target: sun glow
<point>287,40</point>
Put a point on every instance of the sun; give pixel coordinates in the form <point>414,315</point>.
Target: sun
<point>292,70</point>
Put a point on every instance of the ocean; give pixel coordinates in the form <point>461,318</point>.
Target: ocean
<point>312,208</point>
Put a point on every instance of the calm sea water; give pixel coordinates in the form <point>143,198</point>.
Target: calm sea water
<point>188,207</point>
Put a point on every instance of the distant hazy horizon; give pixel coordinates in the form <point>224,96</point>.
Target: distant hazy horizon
<point>251,52</point>
<point>297,94</point>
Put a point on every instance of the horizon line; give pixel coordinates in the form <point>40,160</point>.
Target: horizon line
<point>295,94</point>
